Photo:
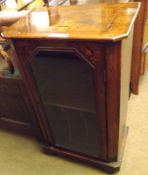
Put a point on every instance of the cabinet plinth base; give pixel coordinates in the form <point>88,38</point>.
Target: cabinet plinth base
<point>109,167</point>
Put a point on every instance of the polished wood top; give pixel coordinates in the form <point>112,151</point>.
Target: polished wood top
<point>110,21</point>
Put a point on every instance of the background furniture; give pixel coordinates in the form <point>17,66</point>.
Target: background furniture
<point>145,65</point>
<point>139,58</point>
<point>77,75</point>
<point>16,113</point>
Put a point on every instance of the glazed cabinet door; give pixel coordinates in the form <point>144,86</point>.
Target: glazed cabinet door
<point>67,88</point>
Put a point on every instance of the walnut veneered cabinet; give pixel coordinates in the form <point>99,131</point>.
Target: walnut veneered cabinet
<point>76,68</point>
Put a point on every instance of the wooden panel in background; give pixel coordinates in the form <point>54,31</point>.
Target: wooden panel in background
<point>138,55</point>
<point>145,41</point>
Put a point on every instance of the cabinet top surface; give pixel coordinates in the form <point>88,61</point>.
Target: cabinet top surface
<point>104,21</point>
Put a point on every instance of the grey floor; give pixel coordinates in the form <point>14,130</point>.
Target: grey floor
<point>23,156</point>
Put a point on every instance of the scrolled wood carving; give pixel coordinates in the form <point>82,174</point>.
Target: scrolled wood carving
<point>92,52</point>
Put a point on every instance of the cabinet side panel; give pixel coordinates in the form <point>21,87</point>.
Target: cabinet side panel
<point>126,55</point>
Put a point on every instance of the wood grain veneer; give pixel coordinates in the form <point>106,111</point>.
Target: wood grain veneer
<point>98,22</point>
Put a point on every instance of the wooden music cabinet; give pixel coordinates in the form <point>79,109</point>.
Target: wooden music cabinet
<point>75,62</point>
